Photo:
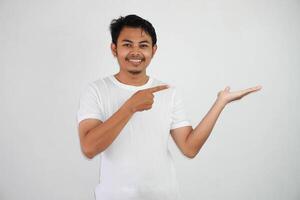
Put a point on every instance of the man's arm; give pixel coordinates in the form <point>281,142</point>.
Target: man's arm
<point>191,140</point>
<point>95,135</point>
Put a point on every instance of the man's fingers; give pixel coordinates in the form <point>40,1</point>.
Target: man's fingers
<point>158,88</point>
<point>252,89</point>
<point>249,90</point>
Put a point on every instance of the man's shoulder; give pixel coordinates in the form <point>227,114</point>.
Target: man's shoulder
<point>100,82</point>
<point>96,86</point>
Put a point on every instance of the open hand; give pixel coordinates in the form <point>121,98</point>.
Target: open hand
<point>226,96</point>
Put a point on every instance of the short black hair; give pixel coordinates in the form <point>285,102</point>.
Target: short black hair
<point>134,21</point>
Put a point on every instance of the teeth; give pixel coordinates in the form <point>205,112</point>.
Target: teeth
<point>132,60</point>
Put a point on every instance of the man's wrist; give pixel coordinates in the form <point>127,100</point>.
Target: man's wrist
<point>128,106</point>
<point>221,102</point>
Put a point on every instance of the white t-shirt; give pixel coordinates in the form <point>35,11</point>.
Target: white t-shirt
<point>138,164</point>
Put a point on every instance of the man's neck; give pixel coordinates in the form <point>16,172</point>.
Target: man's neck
<point>135,80</point>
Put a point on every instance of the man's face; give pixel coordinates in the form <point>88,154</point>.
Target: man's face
<point>134,50</point>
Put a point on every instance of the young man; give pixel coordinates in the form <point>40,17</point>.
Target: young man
<point>128,118</point>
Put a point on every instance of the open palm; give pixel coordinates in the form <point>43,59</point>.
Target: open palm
<point>227,96</point>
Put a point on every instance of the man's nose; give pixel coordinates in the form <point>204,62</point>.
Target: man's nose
<point>135,50</point>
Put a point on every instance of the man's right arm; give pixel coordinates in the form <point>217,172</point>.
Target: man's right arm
<point>95,136</point>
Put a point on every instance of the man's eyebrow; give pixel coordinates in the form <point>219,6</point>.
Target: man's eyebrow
<point>125,40</point>
<point>144,41</point>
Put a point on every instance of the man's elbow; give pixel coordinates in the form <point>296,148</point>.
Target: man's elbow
<point>88,152</point>
<point>190,155</point>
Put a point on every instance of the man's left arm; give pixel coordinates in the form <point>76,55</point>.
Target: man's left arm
<point>191,140</point>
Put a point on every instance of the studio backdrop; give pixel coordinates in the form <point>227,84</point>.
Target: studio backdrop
<point>51,50</point>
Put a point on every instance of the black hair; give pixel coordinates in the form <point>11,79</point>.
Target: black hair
<point>134,21</point>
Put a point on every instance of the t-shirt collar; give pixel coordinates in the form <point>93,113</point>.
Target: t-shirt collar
<point>131,87</point>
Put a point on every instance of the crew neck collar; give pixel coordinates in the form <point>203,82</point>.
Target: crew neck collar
<point>131,87</point>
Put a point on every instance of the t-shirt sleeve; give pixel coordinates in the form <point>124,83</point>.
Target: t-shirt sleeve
<point>90,105</point>
<point>178,113</point>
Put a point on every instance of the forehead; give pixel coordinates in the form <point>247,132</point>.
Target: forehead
<point>134,34</point>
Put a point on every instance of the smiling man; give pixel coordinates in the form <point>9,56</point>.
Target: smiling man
<point>128,117</point>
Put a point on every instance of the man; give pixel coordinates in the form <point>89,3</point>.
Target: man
<point>128,118</point>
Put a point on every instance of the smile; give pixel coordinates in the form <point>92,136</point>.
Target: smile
<point>135,61</point>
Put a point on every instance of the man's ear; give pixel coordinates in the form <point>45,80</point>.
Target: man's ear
<point>113,48</point>
<point>154,48</point>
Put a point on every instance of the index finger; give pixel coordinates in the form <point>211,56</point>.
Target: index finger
<point>158,88</point>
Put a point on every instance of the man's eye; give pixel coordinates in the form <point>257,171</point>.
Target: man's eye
<point>126,45</point>
<point>144,45</point>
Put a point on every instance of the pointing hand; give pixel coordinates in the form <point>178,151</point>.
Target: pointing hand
<point>143,99</point>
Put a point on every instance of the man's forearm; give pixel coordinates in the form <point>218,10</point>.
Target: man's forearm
<point>199,135</point>
<point>99,138</point>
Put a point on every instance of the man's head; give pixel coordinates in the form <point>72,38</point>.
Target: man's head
<point>133,43</point>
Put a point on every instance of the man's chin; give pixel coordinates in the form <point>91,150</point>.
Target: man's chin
<point>135,72</point>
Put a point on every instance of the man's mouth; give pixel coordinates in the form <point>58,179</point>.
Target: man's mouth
<point>135,61</point>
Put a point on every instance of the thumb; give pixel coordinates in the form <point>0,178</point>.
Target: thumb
<point>227,88</point>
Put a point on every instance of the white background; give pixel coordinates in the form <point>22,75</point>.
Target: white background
<point>50,51</point>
